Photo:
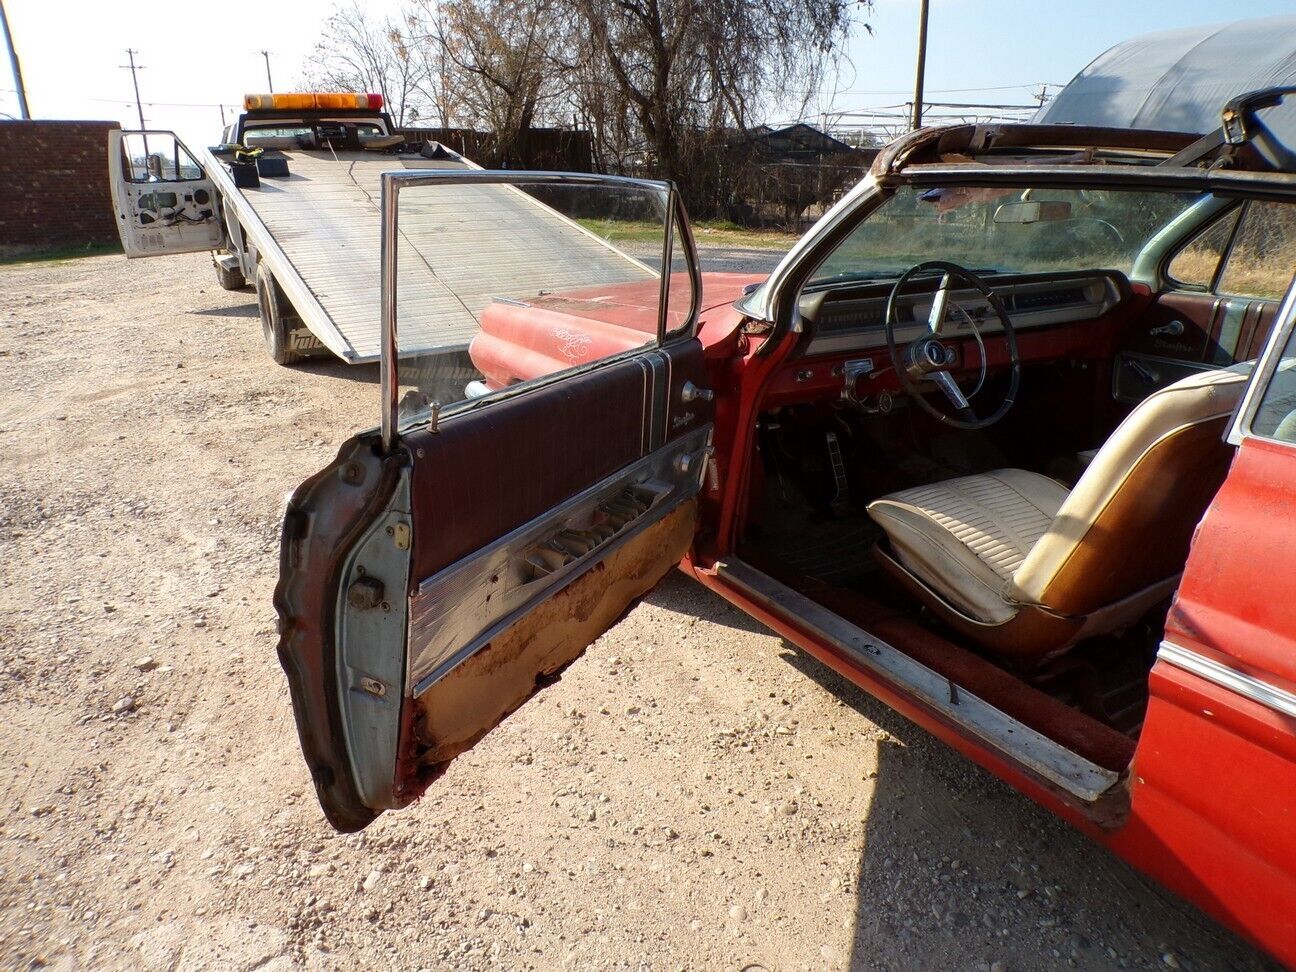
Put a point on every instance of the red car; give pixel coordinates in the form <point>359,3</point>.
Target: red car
<point>1008,439</point>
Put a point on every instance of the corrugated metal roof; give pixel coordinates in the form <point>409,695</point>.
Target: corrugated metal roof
<point>1178,80</point>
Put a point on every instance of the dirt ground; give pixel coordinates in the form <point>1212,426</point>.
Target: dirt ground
<point>693,794</point>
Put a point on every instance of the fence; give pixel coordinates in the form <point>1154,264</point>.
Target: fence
<point>561,149</point>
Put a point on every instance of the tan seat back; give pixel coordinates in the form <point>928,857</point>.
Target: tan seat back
<point>1129,520</point>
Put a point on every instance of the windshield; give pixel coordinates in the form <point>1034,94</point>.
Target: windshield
<point>1015,230</point>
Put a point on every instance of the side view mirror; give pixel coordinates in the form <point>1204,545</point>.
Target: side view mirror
<point>1033,212</point>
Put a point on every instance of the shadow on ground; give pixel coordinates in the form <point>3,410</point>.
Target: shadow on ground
<point>953,858</point>
<point>247,311</point>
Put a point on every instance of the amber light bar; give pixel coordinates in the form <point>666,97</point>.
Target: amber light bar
<point>312,101</point>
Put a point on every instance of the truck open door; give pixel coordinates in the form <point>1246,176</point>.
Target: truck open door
<point>163,200</point>
<point>447,566</point>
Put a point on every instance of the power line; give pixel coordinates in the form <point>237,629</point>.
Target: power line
<point>152,104</point>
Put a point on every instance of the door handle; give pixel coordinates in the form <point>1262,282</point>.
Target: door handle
<point>687,462</point>
<point>1170,329</point>
<point>692,393</point>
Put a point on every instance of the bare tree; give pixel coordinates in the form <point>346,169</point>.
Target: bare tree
<point>499,50</point>
<point>692,74</point>
<point>442,79</point>
<point>358,53</point>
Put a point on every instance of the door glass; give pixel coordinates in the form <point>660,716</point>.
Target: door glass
<point>1275,418</point>
<point>157,157</point>
<point>505,285</point>
<point>1195,265</point>
<point>1261,260</point>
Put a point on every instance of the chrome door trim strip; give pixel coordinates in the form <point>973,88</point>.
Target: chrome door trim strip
<point>456,612</point>
<point>1225,676</point>
<point>1013,739</point>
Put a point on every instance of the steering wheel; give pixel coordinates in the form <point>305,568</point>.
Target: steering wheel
<point>927,359</point>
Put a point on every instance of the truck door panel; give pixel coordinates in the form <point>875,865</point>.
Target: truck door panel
<point>162,198</point>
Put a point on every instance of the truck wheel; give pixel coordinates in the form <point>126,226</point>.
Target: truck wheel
<point>230,278</point>
<point>286,336</point>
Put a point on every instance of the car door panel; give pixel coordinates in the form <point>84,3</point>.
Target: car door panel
<point>492,680</point>
<point>495,549</point>
<point>1182,333</point>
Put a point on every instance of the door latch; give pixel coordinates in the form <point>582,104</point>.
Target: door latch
<point>400,534</point>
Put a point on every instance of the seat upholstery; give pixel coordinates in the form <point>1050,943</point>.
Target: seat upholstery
<point>972,533</point>
<point>1027,568</point>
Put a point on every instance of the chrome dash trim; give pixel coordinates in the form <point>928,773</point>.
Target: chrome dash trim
<point>1015,740</point>
<point>1247,686</point>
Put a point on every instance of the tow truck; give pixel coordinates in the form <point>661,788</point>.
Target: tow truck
<point>289,201</point>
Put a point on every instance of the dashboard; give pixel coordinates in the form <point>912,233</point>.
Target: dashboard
<point>852,318</point>
<point>843,338</point>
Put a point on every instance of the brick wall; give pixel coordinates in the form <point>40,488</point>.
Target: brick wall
<point>54,184</point>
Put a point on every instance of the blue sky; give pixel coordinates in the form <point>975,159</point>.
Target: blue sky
<point>199,59</point>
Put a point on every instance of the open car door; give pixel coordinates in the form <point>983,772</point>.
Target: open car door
<point>163,200</point>
<point>447,566</point>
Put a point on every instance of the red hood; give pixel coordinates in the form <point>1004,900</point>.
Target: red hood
<point>544,334</point>
<point>721,289</point>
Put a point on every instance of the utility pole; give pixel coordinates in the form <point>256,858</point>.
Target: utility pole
<point>133,67</point>
<point>269,83</point>
<point>13,62</point>
<point>915,122</point>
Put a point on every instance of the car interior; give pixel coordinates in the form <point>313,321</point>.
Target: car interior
<point>1022,532</point>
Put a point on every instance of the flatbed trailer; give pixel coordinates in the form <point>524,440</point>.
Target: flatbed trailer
<point>310,239</point>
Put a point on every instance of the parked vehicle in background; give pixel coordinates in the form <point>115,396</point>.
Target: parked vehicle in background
<point>992,442</point>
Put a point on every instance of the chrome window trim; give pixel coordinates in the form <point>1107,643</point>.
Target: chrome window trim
<point>1270,358</point>
<point>1225,676</point>
<point>393,182</point>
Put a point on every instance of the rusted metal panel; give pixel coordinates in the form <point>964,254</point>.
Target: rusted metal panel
<point>476,696</point>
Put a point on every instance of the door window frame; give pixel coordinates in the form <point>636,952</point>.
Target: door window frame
<point>1266,367</point>
<point>676,227</point>
<point>127,169</point>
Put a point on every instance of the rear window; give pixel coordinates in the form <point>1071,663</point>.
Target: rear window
<point>253,135</point>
